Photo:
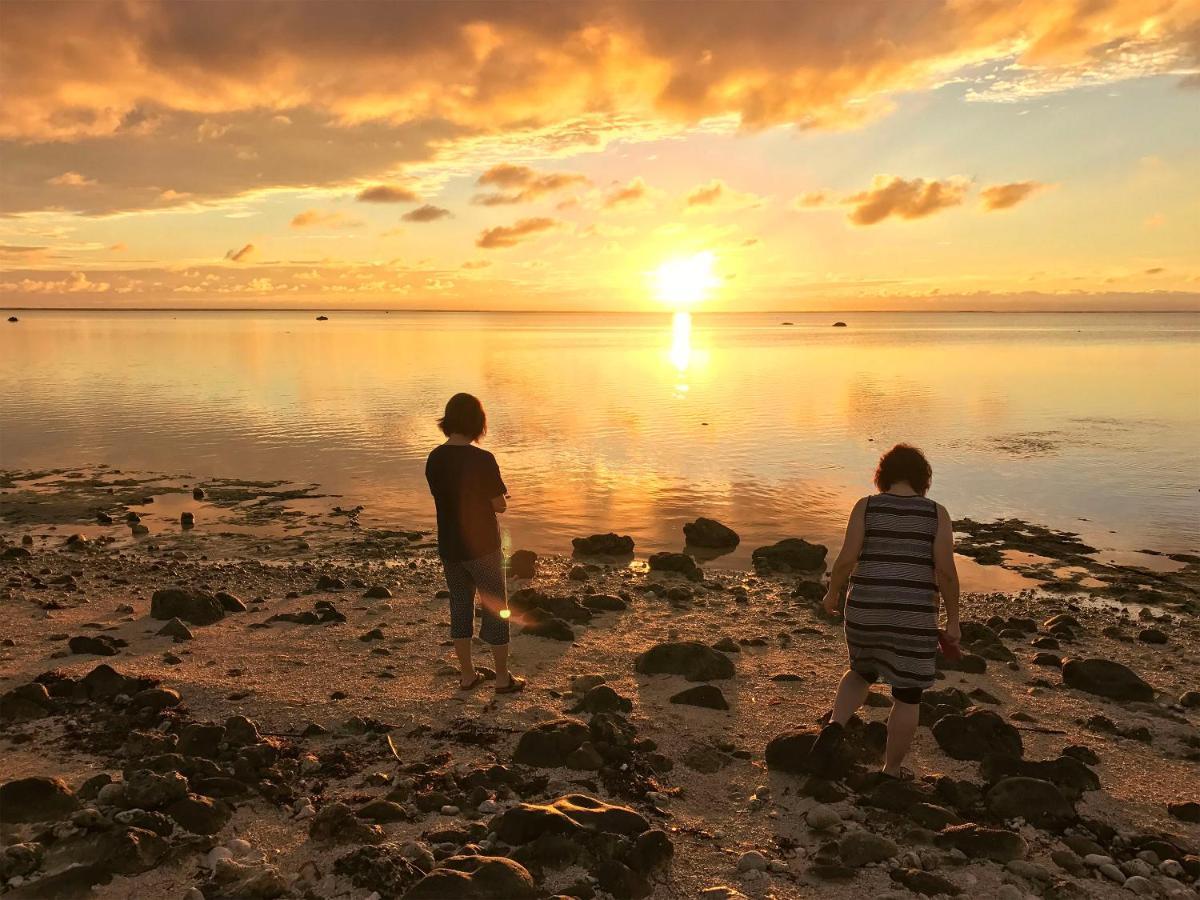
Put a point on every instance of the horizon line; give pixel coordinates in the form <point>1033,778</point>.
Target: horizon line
<point>585,312</point>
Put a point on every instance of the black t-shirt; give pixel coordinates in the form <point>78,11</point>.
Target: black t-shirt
<point>464,479</point>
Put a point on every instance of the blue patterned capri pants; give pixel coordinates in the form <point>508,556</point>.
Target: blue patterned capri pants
<point>464,578</point>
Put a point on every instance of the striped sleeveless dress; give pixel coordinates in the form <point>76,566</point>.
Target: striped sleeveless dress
<point>892,607</point>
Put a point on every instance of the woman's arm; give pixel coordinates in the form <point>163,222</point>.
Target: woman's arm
<point>947,572</point>
<point>847,559</point>
<point>499,504</point>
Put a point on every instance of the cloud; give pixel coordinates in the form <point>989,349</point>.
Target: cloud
<point>910,199</point>
<point>511,235</point>
<point>633,194</point>
<point>70,179</point>
<point>717,194</point>
<point>387,193</point>
<point>476,263</point>
<point>246,254</point>
<point>816,200</point>
<point>426,213</point>
<point>1006,196</point>
<point>118,247</point>
<point>521,184</point>
<point>1155,270</point>
<point>317,218</point>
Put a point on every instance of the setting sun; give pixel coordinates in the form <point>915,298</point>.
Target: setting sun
<point>685,280</point>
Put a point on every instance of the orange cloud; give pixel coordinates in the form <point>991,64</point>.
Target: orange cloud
<point>426,213</point>
<point>511,235</point>
<point>316,218</point>
<point>1006,196</point>
<point>247,253</point>
<point>70,179</point>
<point>913,198</point>
<point>387,193</point>
<point>521,184</point>
<point>717,193</point>
<point>630,194</point>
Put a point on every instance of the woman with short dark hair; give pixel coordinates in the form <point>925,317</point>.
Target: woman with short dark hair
<point>898,557</point>
<point>468,493</point>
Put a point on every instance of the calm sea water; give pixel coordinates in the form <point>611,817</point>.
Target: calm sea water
<point>638,423</point>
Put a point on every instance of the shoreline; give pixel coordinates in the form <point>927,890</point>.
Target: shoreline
<point>733,811</point>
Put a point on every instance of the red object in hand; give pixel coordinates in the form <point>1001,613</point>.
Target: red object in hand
<point>949,649</point>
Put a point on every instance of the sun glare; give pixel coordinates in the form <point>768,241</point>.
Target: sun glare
<point>686,280</point>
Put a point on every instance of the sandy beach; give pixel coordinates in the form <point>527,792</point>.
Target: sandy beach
<point>301,735</point>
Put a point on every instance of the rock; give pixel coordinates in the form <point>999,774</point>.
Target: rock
<point>187,519</point>
<point>752,861</point>
<point>96,645</point>
<point>609,544</point>
<point>548,744</point>
<point>1105,678</point>
<point>578,573</point>
<point>680,563</point>
<point>475,878</point>
<point>330,583</point>
<point>727,645</point>
<point>201,739</point>
<point>540,623</point>
<point>977,734</point>
<point>1187,811</point>
<point>1037,802</point>
<point>377,592</point>
<point>177,630</point>
<point>823,818</point>
<point>383,869</point>
<point>105,682</point>
<point>1152,636</point>
<point>150,790</point>
<point>522,564</point>
<point>36,799</point>
<point>604,603</point>
<point>602,698</point>
<point>383,811</point>
<point>790,555</point>
<point>337,824</point>
<point>709,533</point>
<point>721,892</point>
<point>76,863</point>
<point>691,659</point>
<point>705,758</point>
<point>567,815</point>
<point>195,607</point>
<point>230,602</point>
<point>652,852</point>
<point>15,553</point>
<point>200,815</point>
<point>708,696</point>
<point>1067,773</point>
<point>930,884</point>
<point>859,848</point>
<point>979,842</point>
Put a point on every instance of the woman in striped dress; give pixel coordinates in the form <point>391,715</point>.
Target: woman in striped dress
<point>898,557</point>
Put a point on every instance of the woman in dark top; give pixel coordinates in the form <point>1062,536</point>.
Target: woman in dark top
<point>468,492</point>
<point>898,557</point>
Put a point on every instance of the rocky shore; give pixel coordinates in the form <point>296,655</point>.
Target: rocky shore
<point>253,697</point>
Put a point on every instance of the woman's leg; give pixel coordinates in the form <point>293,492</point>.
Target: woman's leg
<point>902,725</point>
<point>488,575</point>
<point>462,617</point>
<point>851,694</point>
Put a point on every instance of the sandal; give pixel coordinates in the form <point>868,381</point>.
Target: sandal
<point>515,684</point>
<point>472,684</point>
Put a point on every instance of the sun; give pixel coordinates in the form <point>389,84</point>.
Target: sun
<point>685,280</point>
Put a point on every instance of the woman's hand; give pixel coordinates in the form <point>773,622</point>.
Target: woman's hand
<point>830,603</point>
<point>953,632</point>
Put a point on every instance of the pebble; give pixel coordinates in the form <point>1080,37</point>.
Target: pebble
<point>449,810</point>
<point>1112,872</point>
<point>1140,885</point>
<point>823,818</point>
<point>751,861</point>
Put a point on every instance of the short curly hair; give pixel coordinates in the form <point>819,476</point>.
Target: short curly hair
<point>906,463</point>
<point>464,415</point>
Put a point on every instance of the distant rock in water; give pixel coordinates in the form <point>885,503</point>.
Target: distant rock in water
<point>198,493</point>
<point>710,533</point>
<point>790,555</point>
<point>609,544</point>
<point>13,319</point>
<point>787,323</point>
<point>839,324</point>
<point>187,519</point>
<point>322,318</point>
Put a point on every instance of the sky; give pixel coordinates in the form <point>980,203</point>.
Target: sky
<point>733,156</point>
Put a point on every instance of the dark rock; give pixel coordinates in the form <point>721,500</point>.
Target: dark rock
<point>604,603</point>
<point>540,623</point>
<point>230,602</point>
<point>1186,811</point>
<point>380,869</point>
<point>330,583</point>
<point>652,852</point>
<point>1105,678</point>
<point>970,663</point>
<point>790,555</point>
<point>36,799</point>
<point>475,878</point>
<point>1069,774</point>
<point>177,630</point>
<point>727,645</point>
<point>195,607</point>
<point>620,881</point>
<point>548,744</point>
<point>691,659</point>
<point>96,645</point>
<point>197,739</point>
<point>150,790</point>
<point>705,758</point>
<point>609,544</point>
<point>105,682</point>
<point>567,815</point>
<point>602,698</point>
<point>896,795</point>
<point>680,563</point>
<point>1152,636</point>
<point>977,734</point>
<point>522,564</point>
<point>337,824</point>
<point>578,573</point>
<point>200,815</point>
<point>1052,660</point>
<point>1032,799</point>
<point>709,533</point>
<point>383,811</point>
<point>1083,753</point>
<point>929,884</point>
<point>77,863</point>
<point>860,848</point>
<point>978,842</point>
<point>708,696</point>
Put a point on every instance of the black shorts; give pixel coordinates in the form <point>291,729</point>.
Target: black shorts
<point>903,694</point>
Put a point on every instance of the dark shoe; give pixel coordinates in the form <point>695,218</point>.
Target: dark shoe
<point>823,754</point>
<point>515,684</point>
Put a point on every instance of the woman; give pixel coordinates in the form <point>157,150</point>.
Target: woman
<point>468,492</point>
<point>898,557</point>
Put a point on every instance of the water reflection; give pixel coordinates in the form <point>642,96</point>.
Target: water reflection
<point>681,340</point>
